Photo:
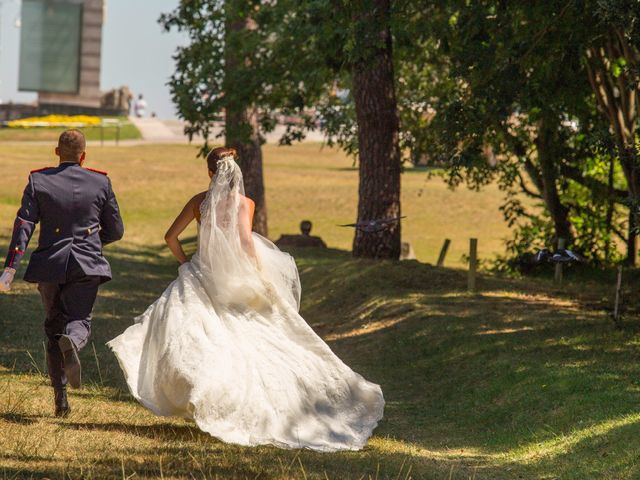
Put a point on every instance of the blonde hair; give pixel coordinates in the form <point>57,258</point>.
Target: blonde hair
<point>71,144</point>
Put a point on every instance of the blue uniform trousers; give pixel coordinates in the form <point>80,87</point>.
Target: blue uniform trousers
<point>68,309</point>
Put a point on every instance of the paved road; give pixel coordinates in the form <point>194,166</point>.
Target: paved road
<point>154,130</point>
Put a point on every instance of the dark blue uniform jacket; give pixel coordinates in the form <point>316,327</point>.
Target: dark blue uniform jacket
<point>78,214</point>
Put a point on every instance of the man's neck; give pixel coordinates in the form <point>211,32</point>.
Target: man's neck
<point>64,162</point>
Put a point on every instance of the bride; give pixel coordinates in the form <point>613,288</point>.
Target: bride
<point>226,347</point>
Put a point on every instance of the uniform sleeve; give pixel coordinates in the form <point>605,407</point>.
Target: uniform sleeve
<point>24,226</point>
<point>111,226</point>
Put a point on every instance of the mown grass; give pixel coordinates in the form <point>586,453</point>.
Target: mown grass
<point>519,381</point>
<point>304,182</point>
<point>128,131</point>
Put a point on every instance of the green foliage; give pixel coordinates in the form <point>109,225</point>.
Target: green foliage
<point>501,74</point>
<point>596,237</point>
<point>476,85</point>
<point>297,64</point>
<point>276,66</point>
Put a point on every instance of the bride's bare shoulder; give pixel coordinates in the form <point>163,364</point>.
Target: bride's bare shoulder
<point>198,198</point>
<point>195,202</point>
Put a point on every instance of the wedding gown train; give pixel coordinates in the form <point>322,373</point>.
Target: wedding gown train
<point>226,347</point>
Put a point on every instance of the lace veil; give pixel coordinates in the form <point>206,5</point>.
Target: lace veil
<point>239,266</point>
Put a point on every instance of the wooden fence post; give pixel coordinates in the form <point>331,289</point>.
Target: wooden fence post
<point>558,274</point>
<point>473,264</point>
<point>443,252</point>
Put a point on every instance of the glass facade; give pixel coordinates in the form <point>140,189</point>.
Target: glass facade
<point>50,46</point>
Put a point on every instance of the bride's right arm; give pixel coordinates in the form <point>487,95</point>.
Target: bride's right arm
<point>179,224</point>
<point>247,209</point>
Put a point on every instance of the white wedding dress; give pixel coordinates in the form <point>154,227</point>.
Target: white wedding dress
<point>226,347</point>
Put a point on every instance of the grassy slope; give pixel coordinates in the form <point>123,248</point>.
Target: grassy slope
<point>519,382</point>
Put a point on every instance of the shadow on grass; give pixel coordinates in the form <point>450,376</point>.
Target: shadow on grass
<point>517,364</point>
<point>28,472</point>
<point>163,432</point>
<point>215,460</point>
<point>519,372</point>
<point>19,418</point>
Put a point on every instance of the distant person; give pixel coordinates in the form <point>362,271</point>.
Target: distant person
<point>140,107</point>
<point>224,344</point>
<point>78,215</point>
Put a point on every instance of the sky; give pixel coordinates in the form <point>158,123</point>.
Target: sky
<point>135,51</point>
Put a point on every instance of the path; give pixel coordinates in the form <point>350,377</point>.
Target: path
<point>154,130</point>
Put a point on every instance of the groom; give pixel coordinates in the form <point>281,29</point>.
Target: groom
<point>78,214</point>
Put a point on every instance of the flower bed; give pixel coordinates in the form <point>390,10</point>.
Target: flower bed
<point>55,121</point>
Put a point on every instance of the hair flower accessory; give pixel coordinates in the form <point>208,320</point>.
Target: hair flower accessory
<point>226,167</point>
<point>225,164</point>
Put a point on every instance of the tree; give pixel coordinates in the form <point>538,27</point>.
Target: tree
<point>510,101</point>
<point>378,129</point>
<point>613,62</point>
<point>287,58</point>
<point>214,75</point>
<point>347,45</point>
<point>242,127</point>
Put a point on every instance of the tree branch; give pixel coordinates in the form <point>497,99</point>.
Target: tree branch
<point>619,234</point>
<point>614,118</point>
<point>597,187</point>
<point>534,174</point>
<point>526,190</point>
<point>600,100</point>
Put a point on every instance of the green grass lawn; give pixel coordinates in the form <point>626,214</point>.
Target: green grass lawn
<point>518,382</point>
<point>128,131</point>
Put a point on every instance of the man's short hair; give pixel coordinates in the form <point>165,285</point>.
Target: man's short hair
<point>71,144</point>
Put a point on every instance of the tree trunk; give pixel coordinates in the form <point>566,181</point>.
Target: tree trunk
<point>545,142</point>
<point>241,120</point>
<point>242,134</point>
<point>610,209</point>
<point>632,238</point>
<point>378,132</point>
<point>629,162</point>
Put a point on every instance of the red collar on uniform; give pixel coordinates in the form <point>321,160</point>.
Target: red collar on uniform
<point>97,171</point>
